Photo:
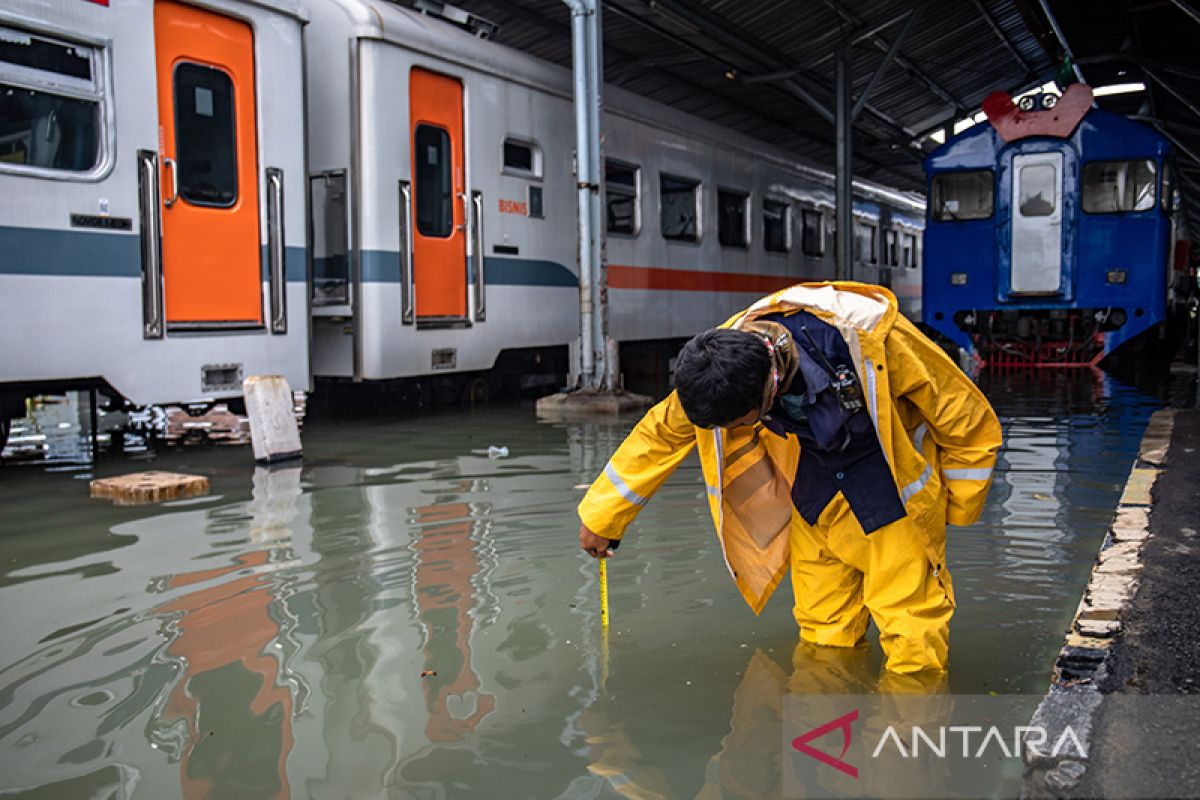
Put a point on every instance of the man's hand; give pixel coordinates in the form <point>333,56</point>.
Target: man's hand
<point>595,546</point>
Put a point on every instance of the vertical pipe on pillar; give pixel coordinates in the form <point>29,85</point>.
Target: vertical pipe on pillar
<point>583,179</point>
<point>605,366</point>
<point>843,247</point>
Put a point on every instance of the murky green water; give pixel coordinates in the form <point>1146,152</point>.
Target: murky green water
<point>402,616</point>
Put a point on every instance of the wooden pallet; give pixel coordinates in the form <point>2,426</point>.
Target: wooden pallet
<point>149,487</point>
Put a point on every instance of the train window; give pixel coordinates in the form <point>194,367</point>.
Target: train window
<point>330,239</point>
<point>777,226</point>
<point>621,209</point>
<point>1038,190</point>
<point>891,251</point>
<point>536,207</point>
<point>205,136</point>
<point>1167,195</point>
<point>522,158</point>
<point>812,232</point>
<point>50,104</point>
<point>866,243</point>
<point>958,196</point>
<point>908,251</point>
<point>434,190</point>
<point>679,208</point>
<point>731,218</point>
<point>1110,187</point>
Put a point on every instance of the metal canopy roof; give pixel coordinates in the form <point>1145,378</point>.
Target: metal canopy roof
<point>766,67</point>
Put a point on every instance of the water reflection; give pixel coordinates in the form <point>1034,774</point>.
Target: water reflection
<point>269,640</point>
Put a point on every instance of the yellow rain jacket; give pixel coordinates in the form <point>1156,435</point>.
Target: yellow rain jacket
<point>938,433</point>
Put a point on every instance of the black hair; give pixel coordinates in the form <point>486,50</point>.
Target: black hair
<point>719,376</point>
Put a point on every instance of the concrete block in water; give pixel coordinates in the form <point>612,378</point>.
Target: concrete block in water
<point>1063,707</point>
<point>273,430</point>
<point>1097,627</point>
<point>140,488</point>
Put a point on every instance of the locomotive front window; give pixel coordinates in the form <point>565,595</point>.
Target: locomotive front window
<point>205,136</point>
<point>731,218</point>
<point>1112,187</point>
<point>50,103</point>
<point>1039,189</point>
<point>621,198</point>
<point>776,227</point>
<point>434,193</point>
<point>678,200</point>
<point>959,196</point>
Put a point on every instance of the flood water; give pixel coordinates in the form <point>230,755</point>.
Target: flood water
<point>402,616</point>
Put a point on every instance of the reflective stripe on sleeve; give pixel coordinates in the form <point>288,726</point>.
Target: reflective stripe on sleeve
<point>917,485</point>
<point>623,488</point>
<point>872,401</point>
<point>967,474</point>
<point>918,438</point>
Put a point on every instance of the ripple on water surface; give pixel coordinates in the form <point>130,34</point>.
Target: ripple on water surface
<point>403,616</point>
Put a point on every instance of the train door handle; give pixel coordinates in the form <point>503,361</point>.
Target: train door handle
<point>462,226</point>
<point>169,163</point>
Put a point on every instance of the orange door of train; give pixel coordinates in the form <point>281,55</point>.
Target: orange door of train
<point>439,186</point>
<point>208,140</point>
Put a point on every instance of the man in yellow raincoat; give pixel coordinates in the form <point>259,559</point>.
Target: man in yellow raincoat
<point>836,441</point>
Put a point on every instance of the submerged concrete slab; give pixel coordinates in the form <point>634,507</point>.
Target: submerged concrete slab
<point>587,403</point>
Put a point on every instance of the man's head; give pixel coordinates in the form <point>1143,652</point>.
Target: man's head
<point>720,376</point>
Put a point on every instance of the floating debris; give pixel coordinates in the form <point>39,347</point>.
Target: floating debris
<point>140,488</point>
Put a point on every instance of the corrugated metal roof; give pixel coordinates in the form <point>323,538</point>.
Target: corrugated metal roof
<point>746,64</point>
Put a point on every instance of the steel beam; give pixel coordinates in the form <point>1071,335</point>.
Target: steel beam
<point>883,65</point>
<point>1187,9</point>
<point>904,63</point>
<point>1062,39</point>
<point>1002,36</point>
<point>1189,104</point>
<point>844,170</point>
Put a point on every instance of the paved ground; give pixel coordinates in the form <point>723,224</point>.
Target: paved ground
<point>1158,652</point>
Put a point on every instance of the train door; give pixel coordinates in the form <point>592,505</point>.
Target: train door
<point>1037,243</point>
<point>439,210</point>
<point>208,140</point>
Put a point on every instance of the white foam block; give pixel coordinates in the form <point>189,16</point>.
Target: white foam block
<point>273,430</point>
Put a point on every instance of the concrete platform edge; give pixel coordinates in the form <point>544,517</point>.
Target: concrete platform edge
<point>1074,693</point>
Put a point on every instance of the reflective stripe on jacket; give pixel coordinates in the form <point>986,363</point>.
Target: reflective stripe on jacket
<point>938,431</point>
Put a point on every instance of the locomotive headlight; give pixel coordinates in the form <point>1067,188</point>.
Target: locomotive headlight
<point>1115,276</point>
<point>958,279</point>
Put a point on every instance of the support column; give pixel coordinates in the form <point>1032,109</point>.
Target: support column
<point>587,67</point>
<point>844,242</point>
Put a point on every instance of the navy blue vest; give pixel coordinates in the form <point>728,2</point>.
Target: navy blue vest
<point>854,464</point>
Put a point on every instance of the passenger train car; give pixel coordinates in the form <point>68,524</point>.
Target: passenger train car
<point>165,165</point>
<point>1049,232</point>
<point>443,204</point>
<point>152,203</point>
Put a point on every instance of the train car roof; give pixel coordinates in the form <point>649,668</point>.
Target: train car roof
<point>763,68</point>
<point>389,22</point>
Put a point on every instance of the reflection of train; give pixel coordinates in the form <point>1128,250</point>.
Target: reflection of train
<point>1049,232</point>
<point>154,186</point>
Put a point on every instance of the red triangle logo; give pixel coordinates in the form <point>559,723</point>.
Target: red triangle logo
<point>842,723</point>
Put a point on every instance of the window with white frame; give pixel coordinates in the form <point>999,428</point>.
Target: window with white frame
<point>51,103</point>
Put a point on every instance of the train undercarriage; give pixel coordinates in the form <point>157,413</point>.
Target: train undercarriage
<point>1040,337</point>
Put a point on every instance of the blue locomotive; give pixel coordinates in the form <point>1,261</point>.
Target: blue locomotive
<point>1049,232</point>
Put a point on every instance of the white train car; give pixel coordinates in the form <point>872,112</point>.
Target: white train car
<point>152,203</point>
<point>442,196</point>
